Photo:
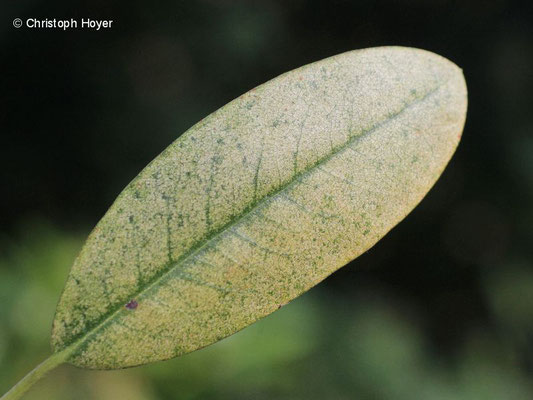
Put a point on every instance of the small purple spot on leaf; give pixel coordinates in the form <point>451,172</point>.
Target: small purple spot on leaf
<point>132,305</point>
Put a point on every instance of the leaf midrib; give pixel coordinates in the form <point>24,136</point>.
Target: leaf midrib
<point>82,338</point>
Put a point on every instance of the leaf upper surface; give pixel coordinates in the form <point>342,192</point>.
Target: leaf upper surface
<point>259,202</point>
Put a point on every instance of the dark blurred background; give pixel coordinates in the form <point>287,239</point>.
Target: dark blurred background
<point>441,308</point>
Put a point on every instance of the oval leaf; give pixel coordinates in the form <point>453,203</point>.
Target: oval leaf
<point>259,202</point>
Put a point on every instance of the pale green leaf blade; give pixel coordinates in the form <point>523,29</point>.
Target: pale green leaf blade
<point>259,202</point>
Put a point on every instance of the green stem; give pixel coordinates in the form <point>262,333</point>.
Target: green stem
<point>37,373</point>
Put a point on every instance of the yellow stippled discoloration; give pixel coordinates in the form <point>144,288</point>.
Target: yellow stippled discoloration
<point>259,202</point>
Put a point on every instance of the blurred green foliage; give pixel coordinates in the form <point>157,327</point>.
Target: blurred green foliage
<point>320,346</point>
